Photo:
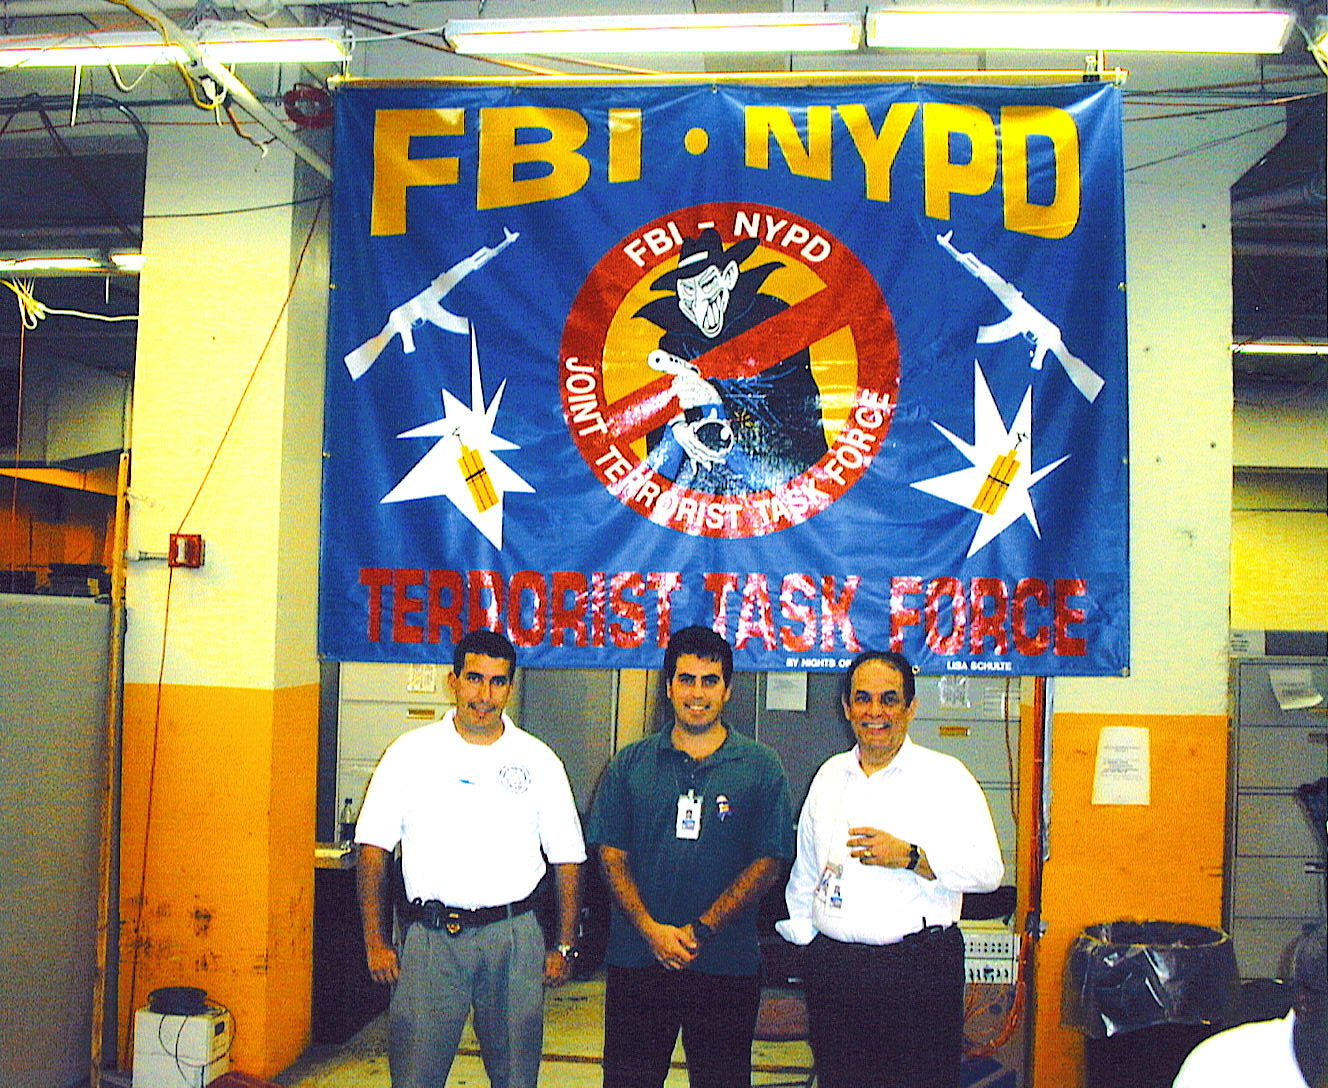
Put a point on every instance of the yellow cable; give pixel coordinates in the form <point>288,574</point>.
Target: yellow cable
<point>31,310</point>
<point>160,27</point>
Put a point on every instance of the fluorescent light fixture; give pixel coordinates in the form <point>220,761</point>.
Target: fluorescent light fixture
<point>1280,347</point>
<point>292,44</point>
<point>226,44</point>
<point>758,32</point>
<point>1108,29</point>
<point>52,263</point>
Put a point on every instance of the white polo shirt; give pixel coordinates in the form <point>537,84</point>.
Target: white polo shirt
<point>1261,1053</point>
<point>476,822</point>
<point>921,796</point>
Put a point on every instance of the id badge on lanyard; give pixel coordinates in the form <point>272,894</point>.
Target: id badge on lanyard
<point>829,888</point>
<point>689,816</point>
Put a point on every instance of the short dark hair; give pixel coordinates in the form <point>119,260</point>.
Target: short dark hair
<point>486,643</point>
<point>701,642</point>
<point>889,657</point>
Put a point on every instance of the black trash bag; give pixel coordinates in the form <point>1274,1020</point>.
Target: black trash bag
<point>1123,976</point>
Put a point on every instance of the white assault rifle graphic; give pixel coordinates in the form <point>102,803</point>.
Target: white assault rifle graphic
<point>425,306</point>
<point>1026,321</point>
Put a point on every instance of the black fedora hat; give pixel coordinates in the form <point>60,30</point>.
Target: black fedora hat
<point>702,251</point>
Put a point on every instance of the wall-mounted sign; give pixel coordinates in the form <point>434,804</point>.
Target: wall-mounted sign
<point>826,368</point>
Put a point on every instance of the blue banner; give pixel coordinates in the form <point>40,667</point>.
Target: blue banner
<point>826,368</point>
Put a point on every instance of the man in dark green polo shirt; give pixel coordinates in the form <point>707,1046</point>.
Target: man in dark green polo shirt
<point>693,824</point>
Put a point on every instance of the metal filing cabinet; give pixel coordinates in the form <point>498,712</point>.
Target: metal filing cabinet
<point>376,704</point>
<point>1274,877</point>
<point>379,702</point>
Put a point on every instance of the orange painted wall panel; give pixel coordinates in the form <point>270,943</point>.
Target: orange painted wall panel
<point>224,816</point>
<point>41,524</point>
<point>1162,861</point>
<point>290,887</point>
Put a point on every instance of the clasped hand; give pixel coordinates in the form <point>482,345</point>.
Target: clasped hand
<point>674,947</point>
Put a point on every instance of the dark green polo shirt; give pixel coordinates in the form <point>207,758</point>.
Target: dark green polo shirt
<point>746,814</point>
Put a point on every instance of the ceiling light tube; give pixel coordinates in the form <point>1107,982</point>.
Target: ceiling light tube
<point>224,44</point>
<point>757,32</point>
<point>52,262</point>
<point>1108,29</point>
<point>285,44</point>
<point>1280,347</point>
<point>69,263</point>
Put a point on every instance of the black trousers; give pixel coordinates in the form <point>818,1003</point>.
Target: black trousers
<point>645,1007</point>
<point>887,1016</point>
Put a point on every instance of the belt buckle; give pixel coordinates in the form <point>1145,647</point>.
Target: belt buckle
<point>452,922</point>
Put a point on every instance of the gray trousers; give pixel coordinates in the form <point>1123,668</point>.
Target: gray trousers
<point>498,970</point>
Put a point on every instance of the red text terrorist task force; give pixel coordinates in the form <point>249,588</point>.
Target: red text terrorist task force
<point>805,616</point>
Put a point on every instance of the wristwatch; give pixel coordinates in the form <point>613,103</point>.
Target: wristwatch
<point>703,932</point>
<point>913,855</point>
<point>567,951</point>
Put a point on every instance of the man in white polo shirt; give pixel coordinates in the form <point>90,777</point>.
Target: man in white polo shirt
<point>891,837</point>
<point>479,807</point>
<point>1291,1052</point>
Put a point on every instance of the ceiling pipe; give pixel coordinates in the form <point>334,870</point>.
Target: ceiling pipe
<point>1308,192</point>
<point>1307,250</point>
<point>226,79</point>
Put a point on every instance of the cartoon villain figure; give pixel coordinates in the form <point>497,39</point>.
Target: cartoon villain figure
<point>731,435</point>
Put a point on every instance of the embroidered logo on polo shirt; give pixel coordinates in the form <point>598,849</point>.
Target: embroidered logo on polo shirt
<point>515,778</point>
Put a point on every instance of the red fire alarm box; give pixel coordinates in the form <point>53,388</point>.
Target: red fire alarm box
<point>186,550</point>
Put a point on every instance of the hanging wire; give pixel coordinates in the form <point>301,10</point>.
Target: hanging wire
<point>1205,145</point>
<point>262,145</point>
<point>18,453</point>
<point>34,102</point>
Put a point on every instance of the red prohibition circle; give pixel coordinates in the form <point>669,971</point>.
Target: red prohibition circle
<point>611,399</point>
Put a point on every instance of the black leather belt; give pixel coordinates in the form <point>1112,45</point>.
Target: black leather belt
<point>921,936</point>
<point>435,915</point>
<point>925,935</point>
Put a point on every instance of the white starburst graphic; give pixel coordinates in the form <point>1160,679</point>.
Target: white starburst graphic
<point>463,465</point>
<point>996,484</point>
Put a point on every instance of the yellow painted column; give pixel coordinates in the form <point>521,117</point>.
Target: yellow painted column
<point>221,673</point>
<point>1162,861</point>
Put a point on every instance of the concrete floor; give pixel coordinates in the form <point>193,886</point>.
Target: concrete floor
<point>573,1041</point>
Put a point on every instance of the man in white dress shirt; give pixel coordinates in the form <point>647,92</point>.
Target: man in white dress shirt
<point>890,838</point>
<point>480,808</point>
<point>1288,1053</point>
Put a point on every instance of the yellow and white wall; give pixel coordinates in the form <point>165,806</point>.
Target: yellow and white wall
<point>221,672</point>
